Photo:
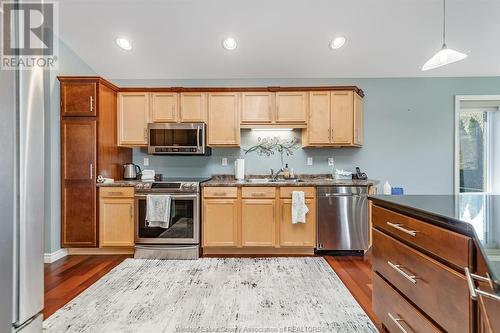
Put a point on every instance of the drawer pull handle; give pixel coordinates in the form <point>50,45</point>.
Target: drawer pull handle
<point>400,228</point>
<point>398,321</point>
<point>397,268</point>
<point>115,193</point>
<point>474,292</point>
<point>220,193</point>
<point>258,194</point>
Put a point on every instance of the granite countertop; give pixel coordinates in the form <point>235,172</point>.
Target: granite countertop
<point>119,183</point>
<point>473,214</point>
<point>303,180</point>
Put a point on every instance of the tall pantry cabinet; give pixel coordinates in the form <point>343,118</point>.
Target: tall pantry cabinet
<point>88,148</point>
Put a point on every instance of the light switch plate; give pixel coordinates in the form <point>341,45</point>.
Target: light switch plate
<point>224,161</point>
<point>330,161</point>
<point>146,161</point>
<point>309,161</point>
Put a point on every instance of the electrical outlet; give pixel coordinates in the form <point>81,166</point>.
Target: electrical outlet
<point>224,161</point>
<point>146,161</point>
<point>331,162</point>
<point>309,161</point>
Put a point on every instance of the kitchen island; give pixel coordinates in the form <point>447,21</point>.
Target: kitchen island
<point>434,256</point>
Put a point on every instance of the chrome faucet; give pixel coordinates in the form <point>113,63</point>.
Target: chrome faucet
<point>274,176</point>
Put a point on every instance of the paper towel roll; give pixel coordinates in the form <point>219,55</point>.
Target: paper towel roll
<point>239,169</point>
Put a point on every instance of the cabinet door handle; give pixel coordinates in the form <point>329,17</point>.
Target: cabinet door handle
<point>131,212</point>
<point>474,292</point>
<point>401,228</point>
<point>91,171</point>
<point>398,268</point>
<point>146,134</point>
<point>91,103</point>
<point>398,322</point>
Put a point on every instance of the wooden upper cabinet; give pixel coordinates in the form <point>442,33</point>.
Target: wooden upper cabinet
<point>358,120</point>
<point>335,119</point>
<point>79,98</point>
<point>291,107</point>
<point>300,234</point>
<point>133,118</point>
<point>256,108</point>
<point>257,222</point>
<point>319,124</point>
<point>223,119</point>
<point>342,117</point>
<point>164,107</point>
<point>193,107</point>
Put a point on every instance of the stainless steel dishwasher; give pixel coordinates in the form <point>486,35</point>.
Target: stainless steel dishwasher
<point>343,218</point>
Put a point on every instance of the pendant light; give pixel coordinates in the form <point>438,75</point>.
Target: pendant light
<point>444,56</point>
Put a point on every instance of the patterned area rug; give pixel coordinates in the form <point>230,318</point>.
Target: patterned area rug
<point>215,295</point>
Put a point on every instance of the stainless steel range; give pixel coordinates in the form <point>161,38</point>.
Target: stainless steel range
<point>181,240</point>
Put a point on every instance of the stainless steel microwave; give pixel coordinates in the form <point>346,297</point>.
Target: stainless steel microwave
<point>177,139</point>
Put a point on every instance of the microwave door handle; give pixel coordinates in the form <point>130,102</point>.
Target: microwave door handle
<point>198,136</point>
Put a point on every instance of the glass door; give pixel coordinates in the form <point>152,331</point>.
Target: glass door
<point>183,226</point>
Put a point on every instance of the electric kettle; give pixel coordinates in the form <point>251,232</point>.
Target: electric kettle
<point>131,171</point>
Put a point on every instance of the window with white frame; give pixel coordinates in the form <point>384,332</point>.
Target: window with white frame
<point>477,138</point>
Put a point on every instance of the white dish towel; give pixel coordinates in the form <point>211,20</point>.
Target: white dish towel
<point>158,210</point>
<point>299,208</point>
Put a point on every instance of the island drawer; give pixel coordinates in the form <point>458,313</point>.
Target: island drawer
<point>220,192</point>
<point>258,192</point>
<point>117,192</point>
<point>286,192</point>
<point>450,246</point>
<point>434,288</point>
<point>396,312</point>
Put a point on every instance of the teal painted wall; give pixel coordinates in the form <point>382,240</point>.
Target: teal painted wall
<point>408,134</point>
<point>69,63</point>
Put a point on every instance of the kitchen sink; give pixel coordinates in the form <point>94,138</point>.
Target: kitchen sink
<point>269,180</point>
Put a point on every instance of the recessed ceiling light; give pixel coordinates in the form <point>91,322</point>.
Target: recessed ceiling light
<point>124,44</point>
<point>229,43</point>
<point>337,43</point>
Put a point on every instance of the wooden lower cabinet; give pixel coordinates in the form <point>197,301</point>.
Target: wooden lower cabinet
<point>116,217</point>
<point>78,220</point>
<point>257,222</point>
<point>395,312</point>
<point>417,285</point>
<point>220,222</point>
<point>300,234</point>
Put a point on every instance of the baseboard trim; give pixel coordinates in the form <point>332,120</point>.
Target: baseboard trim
<point>258,251</point>
<point>49,258</point>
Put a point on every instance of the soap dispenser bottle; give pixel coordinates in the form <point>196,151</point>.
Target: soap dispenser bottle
<point>286,173</point>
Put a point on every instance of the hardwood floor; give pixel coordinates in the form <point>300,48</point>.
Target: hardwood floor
<point>68,277</point>
<point>356,273</point>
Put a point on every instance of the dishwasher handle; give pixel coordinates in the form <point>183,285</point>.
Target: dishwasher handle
<point>329,195</point>
<point>341,191</point>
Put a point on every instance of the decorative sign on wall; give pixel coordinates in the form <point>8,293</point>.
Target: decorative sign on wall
<point>269,145</point>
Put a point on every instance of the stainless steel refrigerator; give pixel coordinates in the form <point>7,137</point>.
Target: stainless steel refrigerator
<point>21,200</point>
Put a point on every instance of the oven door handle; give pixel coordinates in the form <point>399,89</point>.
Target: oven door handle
<point>173,196</point>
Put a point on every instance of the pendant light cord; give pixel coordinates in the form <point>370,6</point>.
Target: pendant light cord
<point>444,23</point>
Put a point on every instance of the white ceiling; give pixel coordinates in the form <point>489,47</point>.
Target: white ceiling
<point>181,39</point>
